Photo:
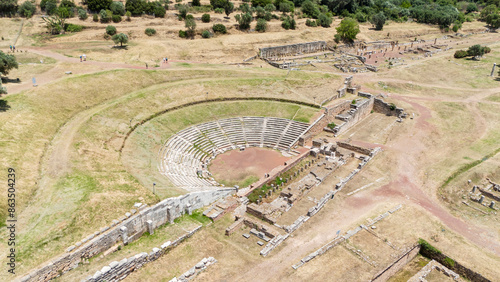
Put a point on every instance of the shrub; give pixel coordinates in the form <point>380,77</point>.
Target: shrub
<point>27,9</point>
<point>331,125</point>
<point>73,27</point>
<point>97,5</point>
<point>196,3</point>
<point>219,10</point>
<point>244,20</point>
<point>50,7</point>
<point>460,54</point>
<point>392,106</point>
<point>111,30</point>
<point>472,7</point>
<point>95,17</point>
<point>353,102</point>
<point>324,20</point>
<point>219,28</point>
<point>82,14</point>
<point>117,8</point>
<point>361,17</point>
<point>205,18</point>
<point>105,16</point>
<point>270,8</point>
<point>310,9</point>
<point>206,34</point>
<point>475,50</point>
<point>487,50</point>
<point>128,14</point>
<point>150,31</point>
<point>311,23</point>
<point>182,34</point>
<point>288,23</point>
<point>183,10</point>
<point>116,18</point>
<point>261,25</point>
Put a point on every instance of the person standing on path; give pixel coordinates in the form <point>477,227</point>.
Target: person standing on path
<point>146,65</point>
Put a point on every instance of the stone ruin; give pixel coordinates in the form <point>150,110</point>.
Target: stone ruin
<point>278,52</point>
<point>195,270</point>
<point>479,193</point>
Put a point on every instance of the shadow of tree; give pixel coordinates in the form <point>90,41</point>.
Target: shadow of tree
<point>4,106</point>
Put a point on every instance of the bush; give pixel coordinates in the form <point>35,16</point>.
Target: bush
<point>219,10</point>
<point>475,50</point>
<point>27,9</point>
<point>206,34</point>
<point>205,18</point>
<point>311,23</point>
<point>95,17</point>
<point>182,34</point>
<point>50,7</point>
<point>73,27</point>
<point>261,25</point>
<point>183,10</point>
<point>136,7</point>
<point>392,106</point>
<point>324,20</point>
<point>487,50</point>
<point>331,125</point>
<point>270,8</point>
<point>219,28</point>
<point>150,31</point>
<point>288,23</point>
<point>310,9</point>
<point>128,14</point>
<point>244,20</point>
<point>196,3</point>
<point>82,14</point>
<point>116,18</point>
<point>105,16</point>
<point>111,30</point>
<point>472,7</point>
<point>117,8</point>
<point>97,5</point>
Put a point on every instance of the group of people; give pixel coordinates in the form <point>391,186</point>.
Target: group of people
<point>83,58</point>
<point>165,59</point>
<point>12,48</point>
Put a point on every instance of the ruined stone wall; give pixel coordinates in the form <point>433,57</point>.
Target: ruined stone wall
<point>361,110</point>
<point>292,49</point>
<point>394,267</point>
<point>324,120</point>
<point>382,107</point>
<point>361,150</point>
<point>129,228</point>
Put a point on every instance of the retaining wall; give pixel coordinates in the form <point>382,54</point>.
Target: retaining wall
<point>394,267</point>
<point>129,229</point>
<point>361,150</point>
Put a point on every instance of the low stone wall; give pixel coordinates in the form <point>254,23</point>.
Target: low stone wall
<point>195,270</point>
<point>394,267</point>
<point>131,227</point>
<point>117,271</point>
<point>359,111</point>
<point>358,149</point>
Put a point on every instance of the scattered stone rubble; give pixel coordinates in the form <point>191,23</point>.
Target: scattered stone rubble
<point>117,271</point>
<point>339,239</point>
<point>195,270</point>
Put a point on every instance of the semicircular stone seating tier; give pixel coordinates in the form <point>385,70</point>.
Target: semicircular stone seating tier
<point>185,156</point>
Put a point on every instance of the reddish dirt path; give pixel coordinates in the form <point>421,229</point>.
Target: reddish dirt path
<point>237,165</point>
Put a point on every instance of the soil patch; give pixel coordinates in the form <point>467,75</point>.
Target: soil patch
<point>245,167</point>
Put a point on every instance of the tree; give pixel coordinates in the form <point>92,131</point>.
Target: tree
<point>120,38</point>
<point>244,20</point>
<point>136,7</point>
<point>310,9</point>
<point>97,5</point>
<point>111,30</point>
<point>27,9</point>
<point>117,8</point>
<point>347,30</point>
<point>7,62</point>
<point>261,25</point>
<point>261,3</point>
<point>51,7</point>
<point>493,20</point>
<point>378,20</point>
<point>55,23</point>
<point>106,16</point>
<point>205,18</point>
<point>471,7</point>
<point>476,50</point>
<point>190,24</point>
<point>270,8</point>
<point>8,7</point>
<point>228,8</point>
<point>196,3</point>
<point>488,10</point>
